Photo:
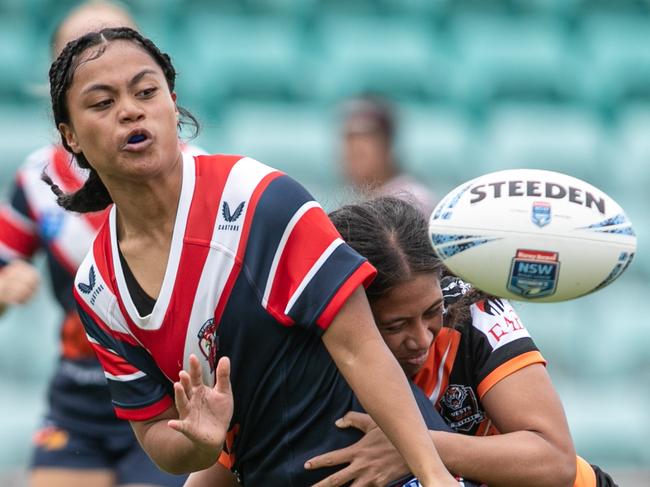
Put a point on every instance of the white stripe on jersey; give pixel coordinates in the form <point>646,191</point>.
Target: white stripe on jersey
<point>9,253</point>
<point>312,272</point>
<point>434,394</point>
<point>242,181</point>
<point>74,234</point>
<point>283,241</point>
<point>154,320</point>
<point>20,220</point>
<point>125,377</point>
<point>92,340</point>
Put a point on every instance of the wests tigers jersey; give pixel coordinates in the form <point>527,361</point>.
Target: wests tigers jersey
<point>464,363</point>
<point>256,272</point>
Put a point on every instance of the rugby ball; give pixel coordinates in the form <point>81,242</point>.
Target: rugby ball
<point>532,235</point>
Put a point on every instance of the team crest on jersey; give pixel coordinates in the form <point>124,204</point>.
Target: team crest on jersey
<point>534,273</point>
<point>231,218</point>
<point>541,214</point>
<point>460,408</point>
<point>209,342</point>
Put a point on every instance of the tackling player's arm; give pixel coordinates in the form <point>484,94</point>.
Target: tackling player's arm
<point>534,449</point>
<point>380,385</point>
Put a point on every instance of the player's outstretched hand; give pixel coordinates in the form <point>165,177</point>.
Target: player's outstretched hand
<point>373,460</point>
<point>204,412</point>
<point>19,281</point>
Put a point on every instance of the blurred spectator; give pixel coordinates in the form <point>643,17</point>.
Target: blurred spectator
<point>370,165</point>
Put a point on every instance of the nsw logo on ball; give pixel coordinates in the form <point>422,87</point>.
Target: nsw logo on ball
<point>534,273</point>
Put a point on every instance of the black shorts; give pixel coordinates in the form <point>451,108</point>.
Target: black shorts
<point>62,447</point>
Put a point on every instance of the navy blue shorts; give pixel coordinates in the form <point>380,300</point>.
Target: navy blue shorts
<point>59,446</point>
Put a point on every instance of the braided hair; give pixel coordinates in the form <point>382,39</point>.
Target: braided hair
<point>392,234</point>
<point>93,195</point>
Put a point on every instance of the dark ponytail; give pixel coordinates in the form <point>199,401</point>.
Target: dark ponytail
<point>93,195</point>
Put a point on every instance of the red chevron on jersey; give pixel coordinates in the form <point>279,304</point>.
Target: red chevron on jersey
<point>221,242</point>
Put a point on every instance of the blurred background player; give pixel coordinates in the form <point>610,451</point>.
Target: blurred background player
<point>370,164</point>
<point>81,442</point>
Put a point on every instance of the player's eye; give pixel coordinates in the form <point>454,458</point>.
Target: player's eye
<point>147,92</point>
<point>100,105</point>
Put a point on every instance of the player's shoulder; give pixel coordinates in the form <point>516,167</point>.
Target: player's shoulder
<point>496,319</point>
<point>38,160</point>
<point>92,283</point>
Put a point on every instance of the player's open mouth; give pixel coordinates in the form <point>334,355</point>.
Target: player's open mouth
<point>137,140</point>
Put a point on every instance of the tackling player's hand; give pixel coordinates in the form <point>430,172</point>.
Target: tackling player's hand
<point>204,412</point>
<point>373,460</point>
<point>19,281</point>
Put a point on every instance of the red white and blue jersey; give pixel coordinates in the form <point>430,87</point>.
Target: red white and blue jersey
<point>32,220</point>
<point>256,272</point>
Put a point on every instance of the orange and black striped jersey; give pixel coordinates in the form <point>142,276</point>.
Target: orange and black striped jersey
<point>465,362</point>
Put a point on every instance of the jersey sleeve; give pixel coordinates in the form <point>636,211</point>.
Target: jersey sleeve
<point>302,268</point>
<point>139,391</point>
<point>19,237</point>
<point>500,344</point>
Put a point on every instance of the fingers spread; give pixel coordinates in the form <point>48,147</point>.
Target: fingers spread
<point>222,384</point>
<point>185,381</point>
<point>181,400</point>
<point>195,372</point>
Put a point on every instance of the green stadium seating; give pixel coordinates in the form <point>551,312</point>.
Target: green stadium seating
<point>567,139</point>
<point>616,58</point>
<point>228,56</point>
<point>395,56</point>
<point>608,419</point>
<point>17,56</point>
<point>21,407</point>
<point>434,142</point>
<point>297,139</point>
<point>23,129</point>
<point>502,58</point>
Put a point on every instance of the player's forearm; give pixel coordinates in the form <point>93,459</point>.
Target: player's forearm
<point>507,460</point>
<point>363,358</point>
<point>381,387</point>
<point>215,476</point>
<point>173,452</point>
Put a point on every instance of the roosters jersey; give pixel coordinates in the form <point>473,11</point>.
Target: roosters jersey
<point>32,220</point>
<point>256,272</point>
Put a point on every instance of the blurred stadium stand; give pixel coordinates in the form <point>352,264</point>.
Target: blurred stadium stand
<point>479,86</point>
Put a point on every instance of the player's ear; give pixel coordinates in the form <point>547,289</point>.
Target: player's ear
<point>70,137</point>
